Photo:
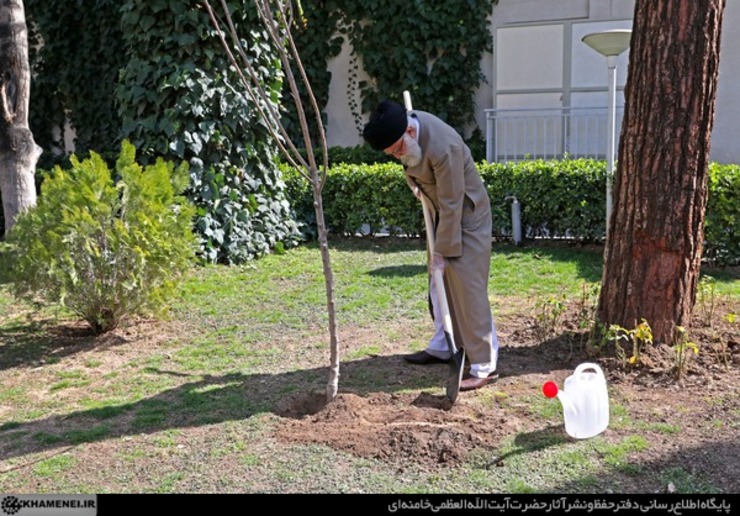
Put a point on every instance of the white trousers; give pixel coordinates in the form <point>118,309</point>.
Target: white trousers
<point>438,344</point>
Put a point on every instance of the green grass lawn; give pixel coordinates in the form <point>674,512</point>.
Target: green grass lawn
<point>189,403</point>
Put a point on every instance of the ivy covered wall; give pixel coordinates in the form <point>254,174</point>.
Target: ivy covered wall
<point>152,71</point>
<point>76,51</point>
<point>179,99</point>
<point>432,49</point>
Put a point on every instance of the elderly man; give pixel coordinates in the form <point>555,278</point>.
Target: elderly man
<point>438,164</point>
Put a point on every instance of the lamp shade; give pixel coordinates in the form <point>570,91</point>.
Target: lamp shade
<point>609,42</point>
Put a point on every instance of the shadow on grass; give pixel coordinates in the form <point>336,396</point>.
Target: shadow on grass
<point>587,260</point>
<point>722,274</point>
<point>709,467</point>
<point>529,442</point>
<point>399,271</point>
<point>383,245</point>
<point>36,343</point>
<point>209,399</point>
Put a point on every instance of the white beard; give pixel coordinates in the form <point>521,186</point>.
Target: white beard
<point>412,157</point>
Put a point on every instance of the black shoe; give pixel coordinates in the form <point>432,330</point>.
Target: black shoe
<point>424,358</point>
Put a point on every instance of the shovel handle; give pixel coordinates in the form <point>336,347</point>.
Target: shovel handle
<point>438,275</point>
<point>407,100</point>
<point>457,359</point>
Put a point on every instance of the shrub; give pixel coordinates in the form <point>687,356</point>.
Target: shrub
<point>563,199</point>
<point>559,198</point>
<point>105,250</point>
<point>721,233</point>
<point>358,198</point>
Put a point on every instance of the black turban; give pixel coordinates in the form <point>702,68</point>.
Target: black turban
<point>386,126</point>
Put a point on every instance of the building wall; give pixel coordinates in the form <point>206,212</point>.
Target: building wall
<point>344,128</point>
<point>539,61</point>
<point>725,135</point>
<point>341,126</point>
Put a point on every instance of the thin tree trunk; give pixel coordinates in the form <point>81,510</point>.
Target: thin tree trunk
<point>277,22</point>
<point>332,386</point>
<point>18,150</point>
<point>653,254</point>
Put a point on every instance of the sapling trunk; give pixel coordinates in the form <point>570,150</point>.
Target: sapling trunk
<point>277,17</point>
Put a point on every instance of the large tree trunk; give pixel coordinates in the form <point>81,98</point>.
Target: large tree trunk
<point>18,151</point>
<point>653,253</point>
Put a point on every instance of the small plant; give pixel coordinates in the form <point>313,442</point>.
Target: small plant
<point>587,304</point>
<point>639,337</point>
<point>708,298</point>
<point>547,316</point>
<point>732,319</point>
<point>681,347</point>
<point>587,320</point>
<point>104,250</point>
<point>597,340</point>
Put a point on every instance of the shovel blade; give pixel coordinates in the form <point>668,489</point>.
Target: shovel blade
<point>455,376</point>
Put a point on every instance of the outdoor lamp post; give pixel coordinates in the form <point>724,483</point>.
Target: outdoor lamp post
<point>610,43</point>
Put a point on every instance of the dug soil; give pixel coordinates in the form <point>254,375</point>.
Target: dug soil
<point>691,422</point>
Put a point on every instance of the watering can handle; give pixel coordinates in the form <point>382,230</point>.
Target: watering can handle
<point>588,365</point>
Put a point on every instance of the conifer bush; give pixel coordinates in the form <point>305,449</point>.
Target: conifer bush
<point>106,247</point>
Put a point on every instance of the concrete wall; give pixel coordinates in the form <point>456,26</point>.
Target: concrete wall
<point>341,127</point>
<point>726,133</point>
<point>577,16</point>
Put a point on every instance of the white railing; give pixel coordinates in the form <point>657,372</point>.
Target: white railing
<point>547,133</point>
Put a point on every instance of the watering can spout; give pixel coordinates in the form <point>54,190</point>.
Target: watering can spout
<point>550,390</point>
<point>568,406</point>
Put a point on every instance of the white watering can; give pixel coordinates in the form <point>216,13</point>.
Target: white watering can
<point>585,401</point>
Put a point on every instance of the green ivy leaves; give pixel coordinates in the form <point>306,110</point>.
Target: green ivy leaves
<point>180,99</point>
<point>432,49</point>
<point>75,55</point>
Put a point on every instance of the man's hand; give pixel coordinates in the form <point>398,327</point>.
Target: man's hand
<point>437,263</point>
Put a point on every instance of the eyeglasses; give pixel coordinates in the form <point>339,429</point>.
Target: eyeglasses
<point>398,149</point>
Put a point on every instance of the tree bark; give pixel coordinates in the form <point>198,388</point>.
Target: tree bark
<point>18,150</point>
<point>653,254</point>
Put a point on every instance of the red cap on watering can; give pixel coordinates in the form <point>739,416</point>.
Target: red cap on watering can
<point>550,389</point>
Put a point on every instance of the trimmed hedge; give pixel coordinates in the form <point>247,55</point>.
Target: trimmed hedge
<point>357,199</point>
<point>721,232</point>
<point>559,199</point>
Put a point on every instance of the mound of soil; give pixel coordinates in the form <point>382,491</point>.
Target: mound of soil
<point>423,429</point>
<point>397,428</point>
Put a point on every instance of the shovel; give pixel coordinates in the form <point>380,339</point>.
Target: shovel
<point>458,355</point>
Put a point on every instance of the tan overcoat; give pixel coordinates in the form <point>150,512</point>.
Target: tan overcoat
<point>448,177</point>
